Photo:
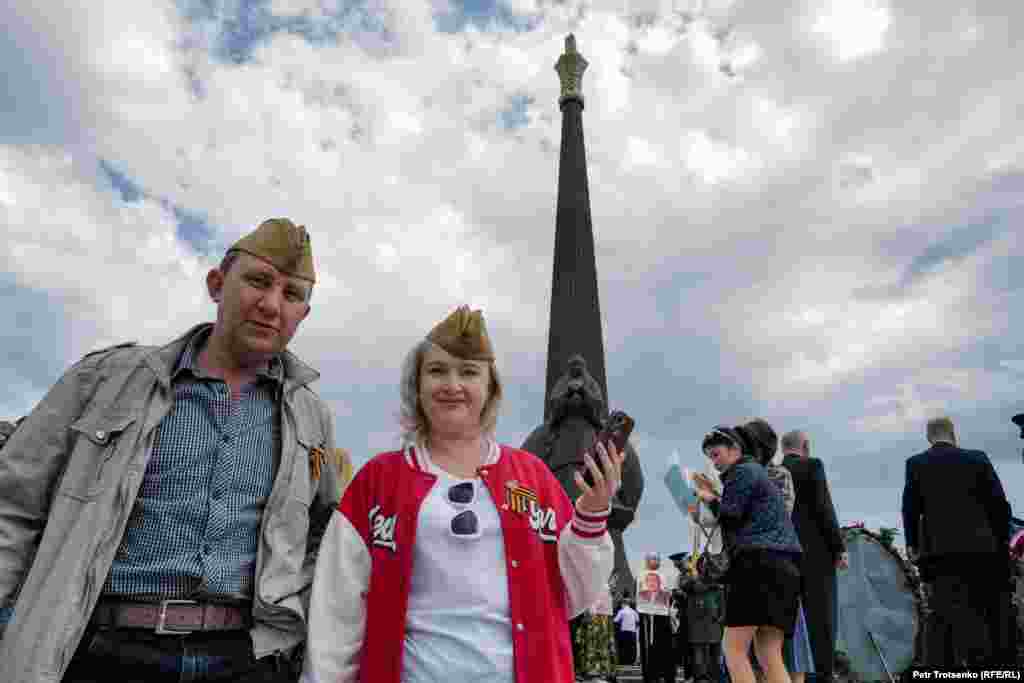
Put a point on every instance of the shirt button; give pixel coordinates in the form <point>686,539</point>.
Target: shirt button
<point>515,563</point>
<point>519,627</point>
<point>100,434</point>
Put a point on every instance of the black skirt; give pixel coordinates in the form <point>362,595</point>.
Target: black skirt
<point>764,590</point>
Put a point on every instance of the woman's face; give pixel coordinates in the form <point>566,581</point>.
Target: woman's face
<point>453,391</point>
<point>723,457</point>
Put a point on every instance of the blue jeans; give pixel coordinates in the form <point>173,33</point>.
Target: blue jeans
<point>131,655</point>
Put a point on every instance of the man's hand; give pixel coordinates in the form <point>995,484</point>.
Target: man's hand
<point>843,561</point>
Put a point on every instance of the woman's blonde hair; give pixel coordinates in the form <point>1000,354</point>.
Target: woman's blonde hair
<point>413,421</point>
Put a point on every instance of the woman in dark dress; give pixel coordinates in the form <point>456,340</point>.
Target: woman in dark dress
<point>763,582</point>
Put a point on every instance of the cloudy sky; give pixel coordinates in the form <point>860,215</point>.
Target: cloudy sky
<point>806,210</point>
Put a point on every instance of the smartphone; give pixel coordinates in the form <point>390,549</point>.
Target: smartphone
<point>616,430</point>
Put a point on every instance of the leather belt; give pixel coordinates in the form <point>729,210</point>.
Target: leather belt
<point>172,617</point>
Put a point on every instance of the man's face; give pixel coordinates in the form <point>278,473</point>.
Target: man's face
<point>259,308</point>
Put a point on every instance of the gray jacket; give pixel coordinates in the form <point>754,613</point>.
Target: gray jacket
<point>68,480</point>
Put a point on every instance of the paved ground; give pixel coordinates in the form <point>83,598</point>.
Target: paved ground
<point>631,674</point>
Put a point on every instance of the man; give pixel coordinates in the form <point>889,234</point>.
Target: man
<point>814,519</point>
<point>161,508</point>
<point>626,622</point>
<point>956,521</point>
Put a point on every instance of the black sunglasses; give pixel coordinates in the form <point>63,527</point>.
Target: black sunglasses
<point>465,524</point>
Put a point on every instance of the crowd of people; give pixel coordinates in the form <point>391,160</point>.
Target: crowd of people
<point>179,513</point>
<point>778,526</point>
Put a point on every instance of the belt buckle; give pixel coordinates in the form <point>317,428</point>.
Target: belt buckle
<point>161,624</point>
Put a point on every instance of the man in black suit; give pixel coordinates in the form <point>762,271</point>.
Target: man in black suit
<point>956,521</point>
<point>824,551</point>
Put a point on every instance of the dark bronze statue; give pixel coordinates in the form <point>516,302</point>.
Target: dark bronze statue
<point>577,410</point>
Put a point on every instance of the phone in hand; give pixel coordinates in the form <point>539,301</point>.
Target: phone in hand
<point>616,430</point>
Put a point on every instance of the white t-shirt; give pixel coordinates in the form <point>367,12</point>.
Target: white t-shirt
<point>459,625</point>
<point>627,619</point>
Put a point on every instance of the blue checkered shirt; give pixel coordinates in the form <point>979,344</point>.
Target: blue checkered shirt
<point>194,530</point>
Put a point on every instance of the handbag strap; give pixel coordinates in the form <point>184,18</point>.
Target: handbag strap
<point>708,536</point>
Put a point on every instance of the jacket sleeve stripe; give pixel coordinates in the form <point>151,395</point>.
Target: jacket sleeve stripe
<point>591,517</point>
<point>588,534</point>
<point>585,561</point>
<point>337,610</point>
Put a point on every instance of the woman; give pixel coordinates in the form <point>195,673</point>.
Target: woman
<point>594,639</point>
<point>456,559</point>
<point>763,549</point>
<point>763,442</point>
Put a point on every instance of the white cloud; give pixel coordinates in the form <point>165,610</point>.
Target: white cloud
<point>759,232</point>
<point>856,28</point>
<point>714,161</point>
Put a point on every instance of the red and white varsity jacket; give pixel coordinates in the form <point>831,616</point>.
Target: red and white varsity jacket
<point>557,560</point>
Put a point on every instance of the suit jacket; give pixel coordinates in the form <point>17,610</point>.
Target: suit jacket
<point>954,504</point>
<point>813,514</point>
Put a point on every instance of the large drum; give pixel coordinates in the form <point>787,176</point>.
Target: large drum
<point>881,611</point>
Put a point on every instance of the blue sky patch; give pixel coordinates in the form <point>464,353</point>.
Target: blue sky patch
<point>514,115</point>
<point>960,244</point>
<point>193,229</point>
<point>482,14</point>
<point>236,28</point>
<point>126,187</point>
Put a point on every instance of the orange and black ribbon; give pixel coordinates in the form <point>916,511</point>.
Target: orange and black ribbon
<point>317,459</point>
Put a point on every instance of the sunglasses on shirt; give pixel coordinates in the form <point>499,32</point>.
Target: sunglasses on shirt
<point>465,524</point>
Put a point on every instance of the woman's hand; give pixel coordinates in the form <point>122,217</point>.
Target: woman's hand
<point>607,478</point>
<point>706,494</point>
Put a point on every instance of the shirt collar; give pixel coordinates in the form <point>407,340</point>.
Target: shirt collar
<point>418,455</point>
<point>189,360</point>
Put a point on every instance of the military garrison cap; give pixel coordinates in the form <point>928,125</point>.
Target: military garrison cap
<point>464,335</point>
<point>283,244</point>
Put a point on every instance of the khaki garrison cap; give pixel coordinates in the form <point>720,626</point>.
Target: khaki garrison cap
<point>464,335</point>
<point>283,244</point>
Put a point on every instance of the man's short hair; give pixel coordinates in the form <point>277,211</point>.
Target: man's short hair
<point>940,429</point>
<point>793,441</point>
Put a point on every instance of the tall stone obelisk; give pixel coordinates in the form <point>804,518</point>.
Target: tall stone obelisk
<point>575,324</point>
<point>576,390</point>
